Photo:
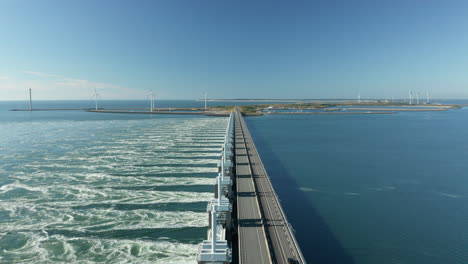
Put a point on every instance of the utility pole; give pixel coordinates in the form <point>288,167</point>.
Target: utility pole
<point>30,100</point>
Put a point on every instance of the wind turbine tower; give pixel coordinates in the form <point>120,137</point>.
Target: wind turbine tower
<point>95,98</point>
<point>417,98</point>
<point>205,100</point>
<point>427,97</point>
<point>359,98</point>
<point>151,100</point>
<point>410,97</point>
<point>30,100</point>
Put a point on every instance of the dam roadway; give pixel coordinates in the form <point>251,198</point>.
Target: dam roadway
<point>264,234</point>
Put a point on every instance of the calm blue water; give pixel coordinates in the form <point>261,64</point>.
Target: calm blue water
<point>368,189</point>
<point>9,116</point>
<point>392,107</point>
<point>121,104</point>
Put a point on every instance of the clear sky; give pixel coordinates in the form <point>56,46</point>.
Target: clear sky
<point>233,49</point>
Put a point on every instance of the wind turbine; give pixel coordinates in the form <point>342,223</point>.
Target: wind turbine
<point>205,100</point>
<point>151,96</point>
<point>410,97</point>
<point>30,100</point>
<point>95,98</point>
<point>417,98</point>
<point>359,98</point>
<point>427,97</point>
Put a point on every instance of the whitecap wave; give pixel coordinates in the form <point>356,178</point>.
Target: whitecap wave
<point>34,247</point>
<point>106,175</point>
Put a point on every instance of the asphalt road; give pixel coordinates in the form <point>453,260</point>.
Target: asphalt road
<point>252,239</point>
<point>259,209</point>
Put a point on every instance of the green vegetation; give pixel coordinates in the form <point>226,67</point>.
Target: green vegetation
<point>222,108</point>
<point>257,109</point>
<point>251,109</point>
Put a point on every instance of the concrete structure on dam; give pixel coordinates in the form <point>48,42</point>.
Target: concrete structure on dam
<point>247,224</point>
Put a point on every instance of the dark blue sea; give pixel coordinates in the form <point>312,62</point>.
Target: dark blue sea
<point>83,187</point>
<point>366,189</point>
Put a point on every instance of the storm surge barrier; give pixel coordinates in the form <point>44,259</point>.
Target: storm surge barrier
<point>217,247</point>
<point>247,224</point>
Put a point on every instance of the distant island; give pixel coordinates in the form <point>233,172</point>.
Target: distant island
<point>280,107</point>
<point>271,100</point>
<point>320,107</point>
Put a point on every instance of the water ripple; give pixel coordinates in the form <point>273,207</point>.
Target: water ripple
<point>133,191</point>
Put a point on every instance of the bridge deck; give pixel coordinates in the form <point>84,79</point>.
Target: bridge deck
<point>253,246</point>
<point>264,233</point>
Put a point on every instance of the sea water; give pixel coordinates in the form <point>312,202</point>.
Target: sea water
<point>366,189</point>
<point>82,187</point>
<point>85,187</point>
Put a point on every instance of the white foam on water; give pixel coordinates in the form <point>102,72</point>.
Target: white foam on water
<point>449,195</point>
<point>39,247</point>
<point>149,177</point>
<point>307,189</point>
<point>98,176</point>
<point>382,188</point>
<point>352,193</point>
<point>30,216</point>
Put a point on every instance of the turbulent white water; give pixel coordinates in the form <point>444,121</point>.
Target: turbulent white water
<point>125,191</point>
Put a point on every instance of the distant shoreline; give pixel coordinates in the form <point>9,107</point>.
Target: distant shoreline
<point>266,107</point>
<point>274,100</point>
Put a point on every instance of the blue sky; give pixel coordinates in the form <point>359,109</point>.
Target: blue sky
<point>233,49</point>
